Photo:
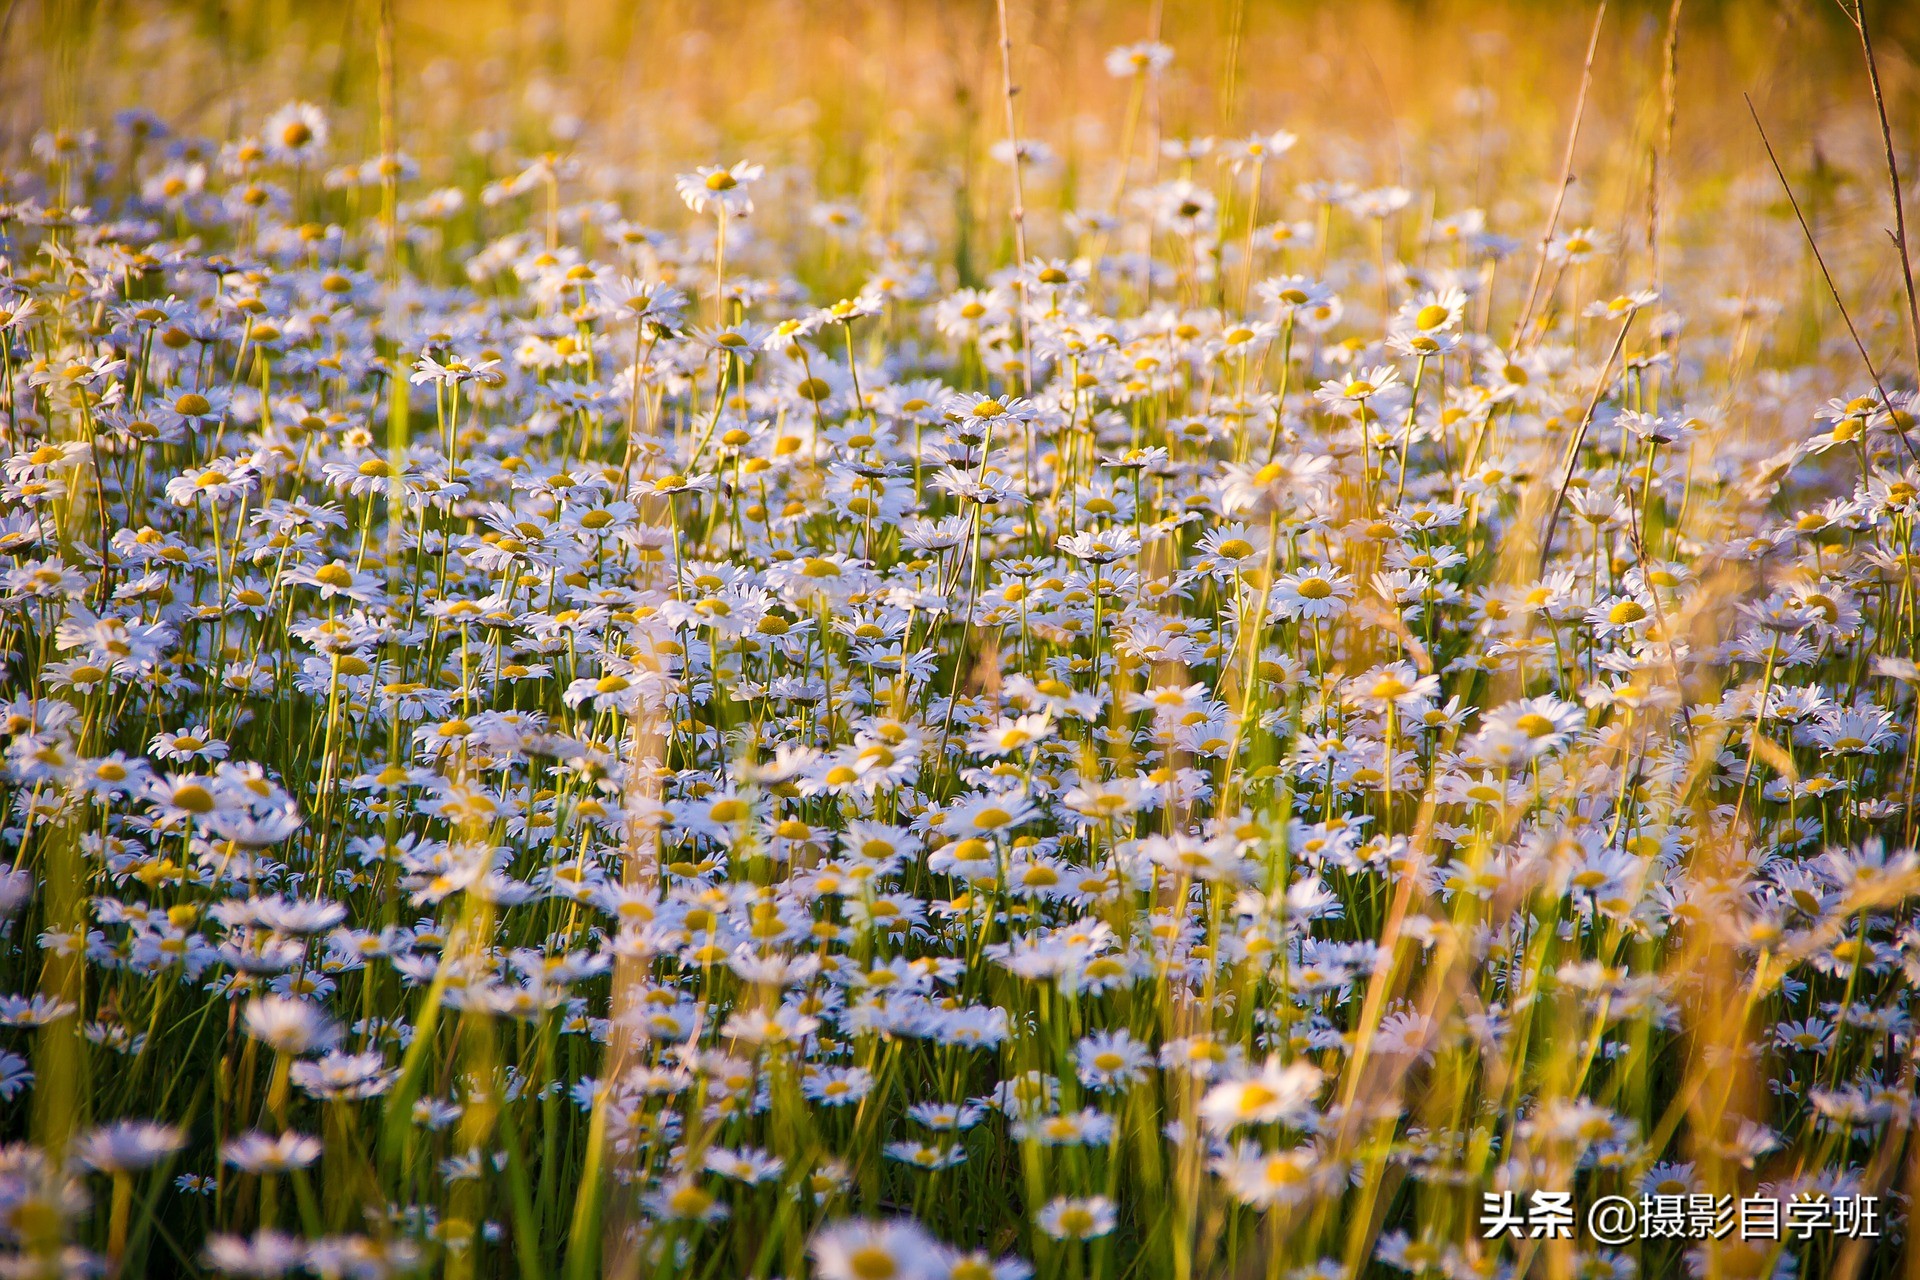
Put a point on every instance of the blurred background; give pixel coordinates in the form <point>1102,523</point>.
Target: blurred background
<point>892,105</point>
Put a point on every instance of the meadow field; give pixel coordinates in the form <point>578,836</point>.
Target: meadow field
<point>966,640</point>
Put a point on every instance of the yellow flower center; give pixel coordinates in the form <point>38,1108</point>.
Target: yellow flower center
<point>1534,725</point>
<point>690,1202</point>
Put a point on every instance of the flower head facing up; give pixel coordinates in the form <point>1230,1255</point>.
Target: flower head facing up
<point>721,190</point>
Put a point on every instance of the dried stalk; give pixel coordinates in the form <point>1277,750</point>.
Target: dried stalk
<point>1566,177</point>
<point>1858,16</point>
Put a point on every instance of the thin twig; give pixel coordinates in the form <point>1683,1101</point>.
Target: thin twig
<point>1566,176</point>
<point>389,142</point>
<point>1832,288</point>
<point>1579,440</point>
<point>1858,16</point>
<point>1663,148</point>
<point>1019,211</point>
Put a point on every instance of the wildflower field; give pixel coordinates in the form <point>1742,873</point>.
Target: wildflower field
<point>896,641</point>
